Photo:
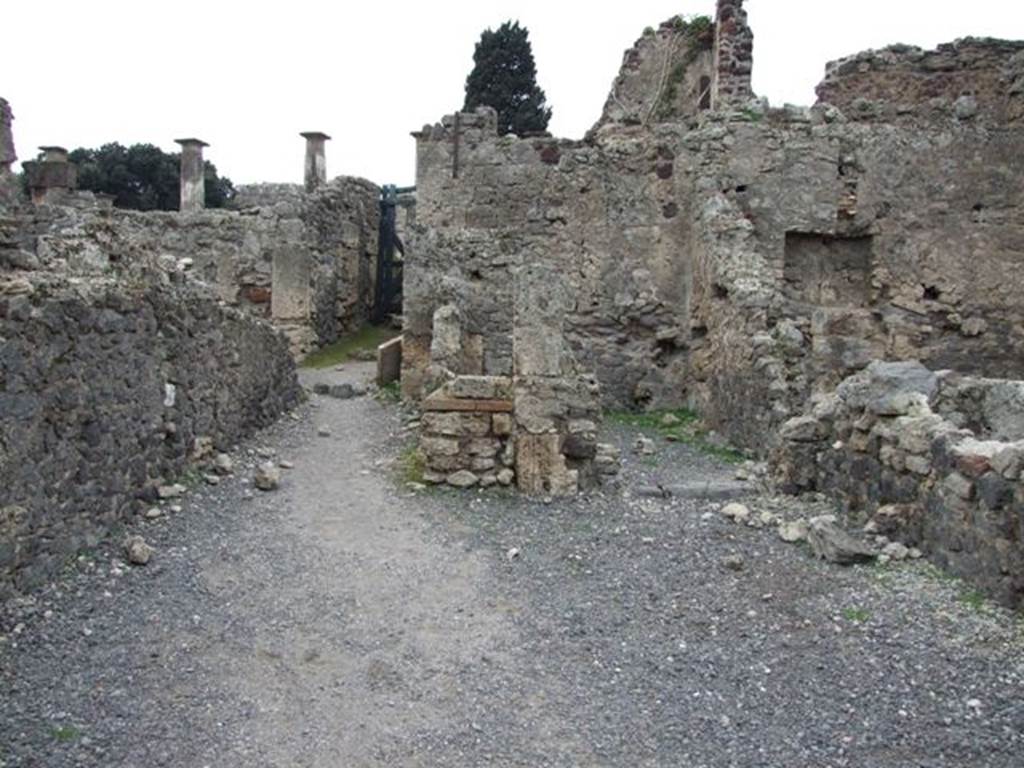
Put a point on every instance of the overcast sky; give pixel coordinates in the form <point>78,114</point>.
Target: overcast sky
<point>247,77</point>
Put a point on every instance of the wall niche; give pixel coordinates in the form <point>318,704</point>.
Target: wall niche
<point>826,270</point>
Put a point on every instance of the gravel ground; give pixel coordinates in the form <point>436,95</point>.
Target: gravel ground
<point>344,620</point>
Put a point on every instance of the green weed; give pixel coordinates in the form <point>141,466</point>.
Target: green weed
<point>686,429</point>
<point>856,615</point>
<point>390,392</point>
<point>411,465</point>
<point>65,733</point>
<point>368,337</point>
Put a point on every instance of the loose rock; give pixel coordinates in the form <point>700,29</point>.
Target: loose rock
<point>223,465</point>
<point>739,513</point>
<point>267,477</point>
<point>137,550</point>
<point>830,542</point>
<point>792,531</point>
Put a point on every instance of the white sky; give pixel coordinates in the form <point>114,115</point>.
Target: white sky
<point>247,77</point>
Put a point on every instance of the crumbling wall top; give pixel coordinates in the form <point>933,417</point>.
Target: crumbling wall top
<point>970,78</point>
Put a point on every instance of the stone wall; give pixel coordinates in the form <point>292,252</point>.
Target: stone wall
<point>305,261</point>
<point>537,425</point>
<point>933,460</point>
<point>466,437</point>
<point>116,369</point>
<point>970,78</point>
<point>603,213</point>
<point>820,244</point>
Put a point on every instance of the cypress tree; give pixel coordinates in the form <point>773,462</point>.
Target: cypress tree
<point>504,77</point>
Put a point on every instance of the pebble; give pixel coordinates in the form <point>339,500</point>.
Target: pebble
<point>644,446</point>
<point>734,562</point>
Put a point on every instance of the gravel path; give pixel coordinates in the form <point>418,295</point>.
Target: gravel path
<point>344,620</point>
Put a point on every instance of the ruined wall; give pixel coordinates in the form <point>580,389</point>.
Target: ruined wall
<point>932,460</point>
<point>318,249</point>
<point>602,214</point>
<point>666,75</point>
<point>823,244</point>
<point>116,368</point>
<point>742,258</point>
<point>969,78</point>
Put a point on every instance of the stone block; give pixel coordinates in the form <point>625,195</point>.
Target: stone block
<point>483,446</point>
<point>389,361</point>
<point>501,424</point>
<point>959,486</point>
<point>480,387</point>
<point>456,424</point>
<point>541,467</point>
<point>439,402</point>
<point>439,446</point>
<point>885,388</point>
<point>480,464</point>
<point>993,491</point>
<point>1007,461</point>
<point>290,293</point>
<point>803,429</point>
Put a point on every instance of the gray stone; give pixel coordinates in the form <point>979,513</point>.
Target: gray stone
<point>792,531</point>
<point>137,550</point>
<point>738,513</point>
<point>644,446</point>
<point>223,464</point>
<point>734,562</point>
<point>462,479</point>
<point>830,542</point>
<point>267,477</point>
<point>885,388</point>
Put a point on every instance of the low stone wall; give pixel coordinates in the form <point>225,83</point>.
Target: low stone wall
<point>931,459</point>
<point>467,432</point>
<point>110,383</point>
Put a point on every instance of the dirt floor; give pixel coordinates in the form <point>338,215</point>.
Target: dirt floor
<point>347,619</point>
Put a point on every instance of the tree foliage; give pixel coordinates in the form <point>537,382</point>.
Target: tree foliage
<point>504,77</point>
<point>143,177</point>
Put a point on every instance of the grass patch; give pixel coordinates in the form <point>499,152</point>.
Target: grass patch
<point>369,337</point>
<point>65,733</point>
<point>856,615</point>
<point>390,392</point>
<point>411,465</point>
<point>973,599</point>
<point>680,425</point>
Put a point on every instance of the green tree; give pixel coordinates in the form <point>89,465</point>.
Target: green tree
<point>143,177</point>
<point>504,77</point>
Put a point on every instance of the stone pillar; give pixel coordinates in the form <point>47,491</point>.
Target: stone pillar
<point>193,178</point>
<point>7,153</point>
<point>8,184</point>
<point>734,55</point>
<point>316,159</point>
<point>52,177</point>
